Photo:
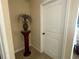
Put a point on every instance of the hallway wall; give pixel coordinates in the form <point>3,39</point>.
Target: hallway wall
<point>6,33</point>
<point>35,14</point>
<point>17,7</point>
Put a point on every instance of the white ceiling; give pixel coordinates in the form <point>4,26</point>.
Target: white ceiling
<point>43,0</point>
<point>47,0</point>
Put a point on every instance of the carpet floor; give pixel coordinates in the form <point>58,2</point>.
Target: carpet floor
<point>75,56</point>
<point>34,55</point>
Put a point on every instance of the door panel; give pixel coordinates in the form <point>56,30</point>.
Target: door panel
<point>52,23</point>
<point>53,18</point>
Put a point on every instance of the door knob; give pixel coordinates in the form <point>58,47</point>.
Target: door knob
<point>43,33</point>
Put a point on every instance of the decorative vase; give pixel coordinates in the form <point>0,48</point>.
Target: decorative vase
<point>25,26</point>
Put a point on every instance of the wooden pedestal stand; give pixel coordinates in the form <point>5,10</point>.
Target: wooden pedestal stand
<point>26,42</point>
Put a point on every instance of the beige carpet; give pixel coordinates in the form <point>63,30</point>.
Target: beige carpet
<point>75,56</point>
<point>34,55</point>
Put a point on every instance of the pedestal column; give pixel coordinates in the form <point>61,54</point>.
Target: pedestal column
<point>26,42</point>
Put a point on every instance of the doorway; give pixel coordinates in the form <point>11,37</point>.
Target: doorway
<point>52,25</point>
<point>76,39</point>
<point>36,35</point>
<point>71,18</point>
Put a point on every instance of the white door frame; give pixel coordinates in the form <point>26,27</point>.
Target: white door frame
<point>41,16</point>
<point>66,52</point>
<point>70,21</point>
<point>2,52</point>
<point>41,21</point>
<point>5,27</point>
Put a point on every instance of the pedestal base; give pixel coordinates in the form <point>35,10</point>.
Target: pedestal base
<point>27,53</point>
<point>26,42</point>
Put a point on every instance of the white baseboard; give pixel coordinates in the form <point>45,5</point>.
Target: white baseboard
<point>36,48</point>
<point>20,49</point>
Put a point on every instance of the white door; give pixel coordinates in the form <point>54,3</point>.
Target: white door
<point>53,29</point>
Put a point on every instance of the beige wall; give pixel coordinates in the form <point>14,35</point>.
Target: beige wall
<point>35,14</point>
<point>6,30</point>
<point>17,7</point>
<point>71,14</point>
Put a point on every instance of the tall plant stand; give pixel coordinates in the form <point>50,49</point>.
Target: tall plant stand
<point>26,42</point>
